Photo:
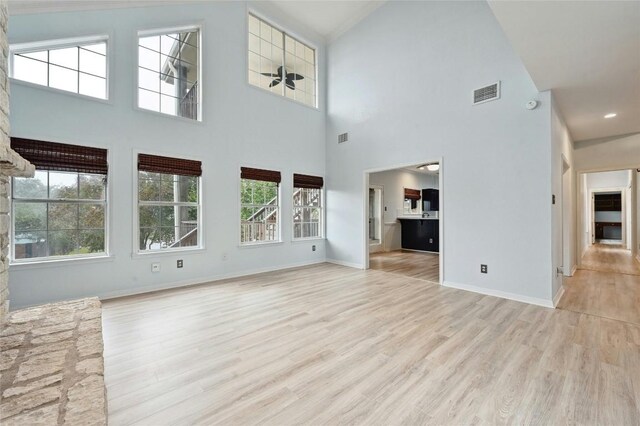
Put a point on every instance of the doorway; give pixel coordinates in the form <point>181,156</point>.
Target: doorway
<point>404,220</point>
<point>376,219</point>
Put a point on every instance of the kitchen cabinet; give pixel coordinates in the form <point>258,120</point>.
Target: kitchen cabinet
<point>431,199</point>
<point>420,234</point>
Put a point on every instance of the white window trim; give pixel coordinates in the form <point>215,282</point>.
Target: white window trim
<point>294,35</point>
<point>53,260</point>
<point>136,252</point>
<point>161,31</point>
<point>239,204</point>
<point>322,220</point>
<point>35,46</point>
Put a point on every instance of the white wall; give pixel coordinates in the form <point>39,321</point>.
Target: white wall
<point>393,183</point>
<point>608,154</point>
<point>242,125</point>
<point>401,85</point>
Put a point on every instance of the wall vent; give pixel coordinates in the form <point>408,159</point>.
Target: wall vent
<point>487,93</point>
<point>343,137</point>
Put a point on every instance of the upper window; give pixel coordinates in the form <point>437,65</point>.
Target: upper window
<point>281,64</point>
<point>259,206</point>
<point>307,206</point>
<point>78,67</point>
<point>169,73</point>
<point>61,212</point>
<point>168,203</point>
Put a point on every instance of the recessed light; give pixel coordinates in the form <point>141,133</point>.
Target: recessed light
<point>610,115</point>
<point>421,168</point>
<point>433,167</point>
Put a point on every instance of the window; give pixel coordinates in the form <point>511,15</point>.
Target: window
<point>168,203</point>
<point>307,206</point>
<point>275,56</point>
<point>169,73</point>
<point>77,67</point>
<point>259,206</point>
<point>62,210</point>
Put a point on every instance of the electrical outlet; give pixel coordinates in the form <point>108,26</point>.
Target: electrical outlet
<point>313,247</point>
<point>483,269</point>
<point>155,267</point>
<point>180,264</point>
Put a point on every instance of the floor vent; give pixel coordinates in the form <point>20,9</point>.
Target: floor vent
<point>486,94</point>
<point>343,137</point>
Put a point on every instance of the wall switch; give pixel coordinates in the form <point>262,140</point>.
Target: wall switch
<point>313,247</point>
<point>155,267</point>
<point>180,264</point>
<point>553,199</point>
<point>483,269</point>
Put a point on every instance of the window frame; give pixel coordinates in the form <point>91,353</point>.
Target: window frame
<point>106,254</point>
<point>61,43</point>
<point>150,32</point>
<point>295,36</point>
<point>322,218</point>
<point>136,251</point>
<point>279,240</point>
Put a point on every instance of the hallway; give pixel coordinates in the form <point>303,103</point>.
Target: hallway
<point>607,285</point>
<point>424,266</point>
<point>610,258</point>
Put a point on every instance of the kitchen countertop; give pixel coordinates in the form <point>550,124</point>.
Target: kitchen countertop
<point>417,217</point>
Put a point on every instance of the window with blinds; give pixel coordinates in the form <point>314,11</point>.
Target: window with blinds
<point>259,206</point>
<point>168,203</point>
<point>62,211</point>
<point>308,214</point>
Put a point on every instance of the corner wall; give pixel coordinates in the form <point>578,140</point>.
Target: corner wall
<point>401,85</point>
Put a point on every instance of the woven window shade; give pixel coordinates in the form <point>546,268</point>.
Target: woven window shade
<point>260,174</point>
<point>62,157</point>
<point>306,181</point>
<point>169,165</point>
<point>411,194</point>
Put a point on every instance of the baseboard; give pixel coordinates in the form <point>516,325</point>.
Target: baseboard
<point>558,296</point>
<point>573,270</point>
<point>502,294</point>
<point>203,280</point>
<point>342,263</point>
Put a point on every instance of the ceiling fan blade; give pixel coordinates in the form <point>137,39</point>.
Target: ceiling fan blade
<point>290,84</point>
<point>294,76</point>
<point>280,69</point>
<point>275,82</point>
<point>269,74</point>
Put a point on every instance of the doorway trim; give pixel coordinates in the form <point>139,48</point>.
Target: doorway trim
<point>365,210</point>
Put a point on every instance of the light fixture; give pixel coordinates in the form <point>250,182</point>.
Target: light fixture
<point>610,115</point>
<point>433,167</point>
<point>421,168</point>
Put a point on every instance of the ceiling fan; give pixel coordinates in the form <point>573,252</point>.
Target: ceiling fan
<point>289,77</point>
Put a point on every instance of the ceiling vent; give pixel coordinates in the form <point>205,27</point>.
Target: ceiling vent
<point>343,137</point>
<point>487,93</point>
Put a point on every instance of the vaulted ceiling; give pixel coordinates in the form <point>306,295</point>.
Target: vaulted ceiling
<point>587,52</point>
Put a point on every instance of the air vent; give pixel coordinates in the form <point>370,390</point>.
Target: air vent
<point>342,138</point>
<point>486,94</point>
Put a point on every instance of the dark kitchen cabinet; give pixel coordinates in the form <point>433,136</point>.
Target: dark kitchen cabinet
<point>608,202</point>
<point>420,234</point>
<point>431,199</point>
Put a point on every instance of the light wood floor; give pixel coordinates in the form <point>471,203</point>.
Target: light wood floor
<point>333,345</point>
<point>606,294</point>
<point>610,258</point>
<point>425,266</point>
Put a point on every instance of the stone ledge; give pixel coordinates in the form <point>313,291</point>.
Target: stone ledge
<point>51,365</point>
<point>12,164</point>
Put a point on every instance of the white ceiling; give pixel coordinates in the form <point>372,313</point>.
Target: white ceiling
<point>588,52</point>
<point>327,18</point>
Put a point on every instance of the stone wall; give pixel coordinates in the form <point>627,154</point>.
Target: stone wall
<point>11,164</point>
